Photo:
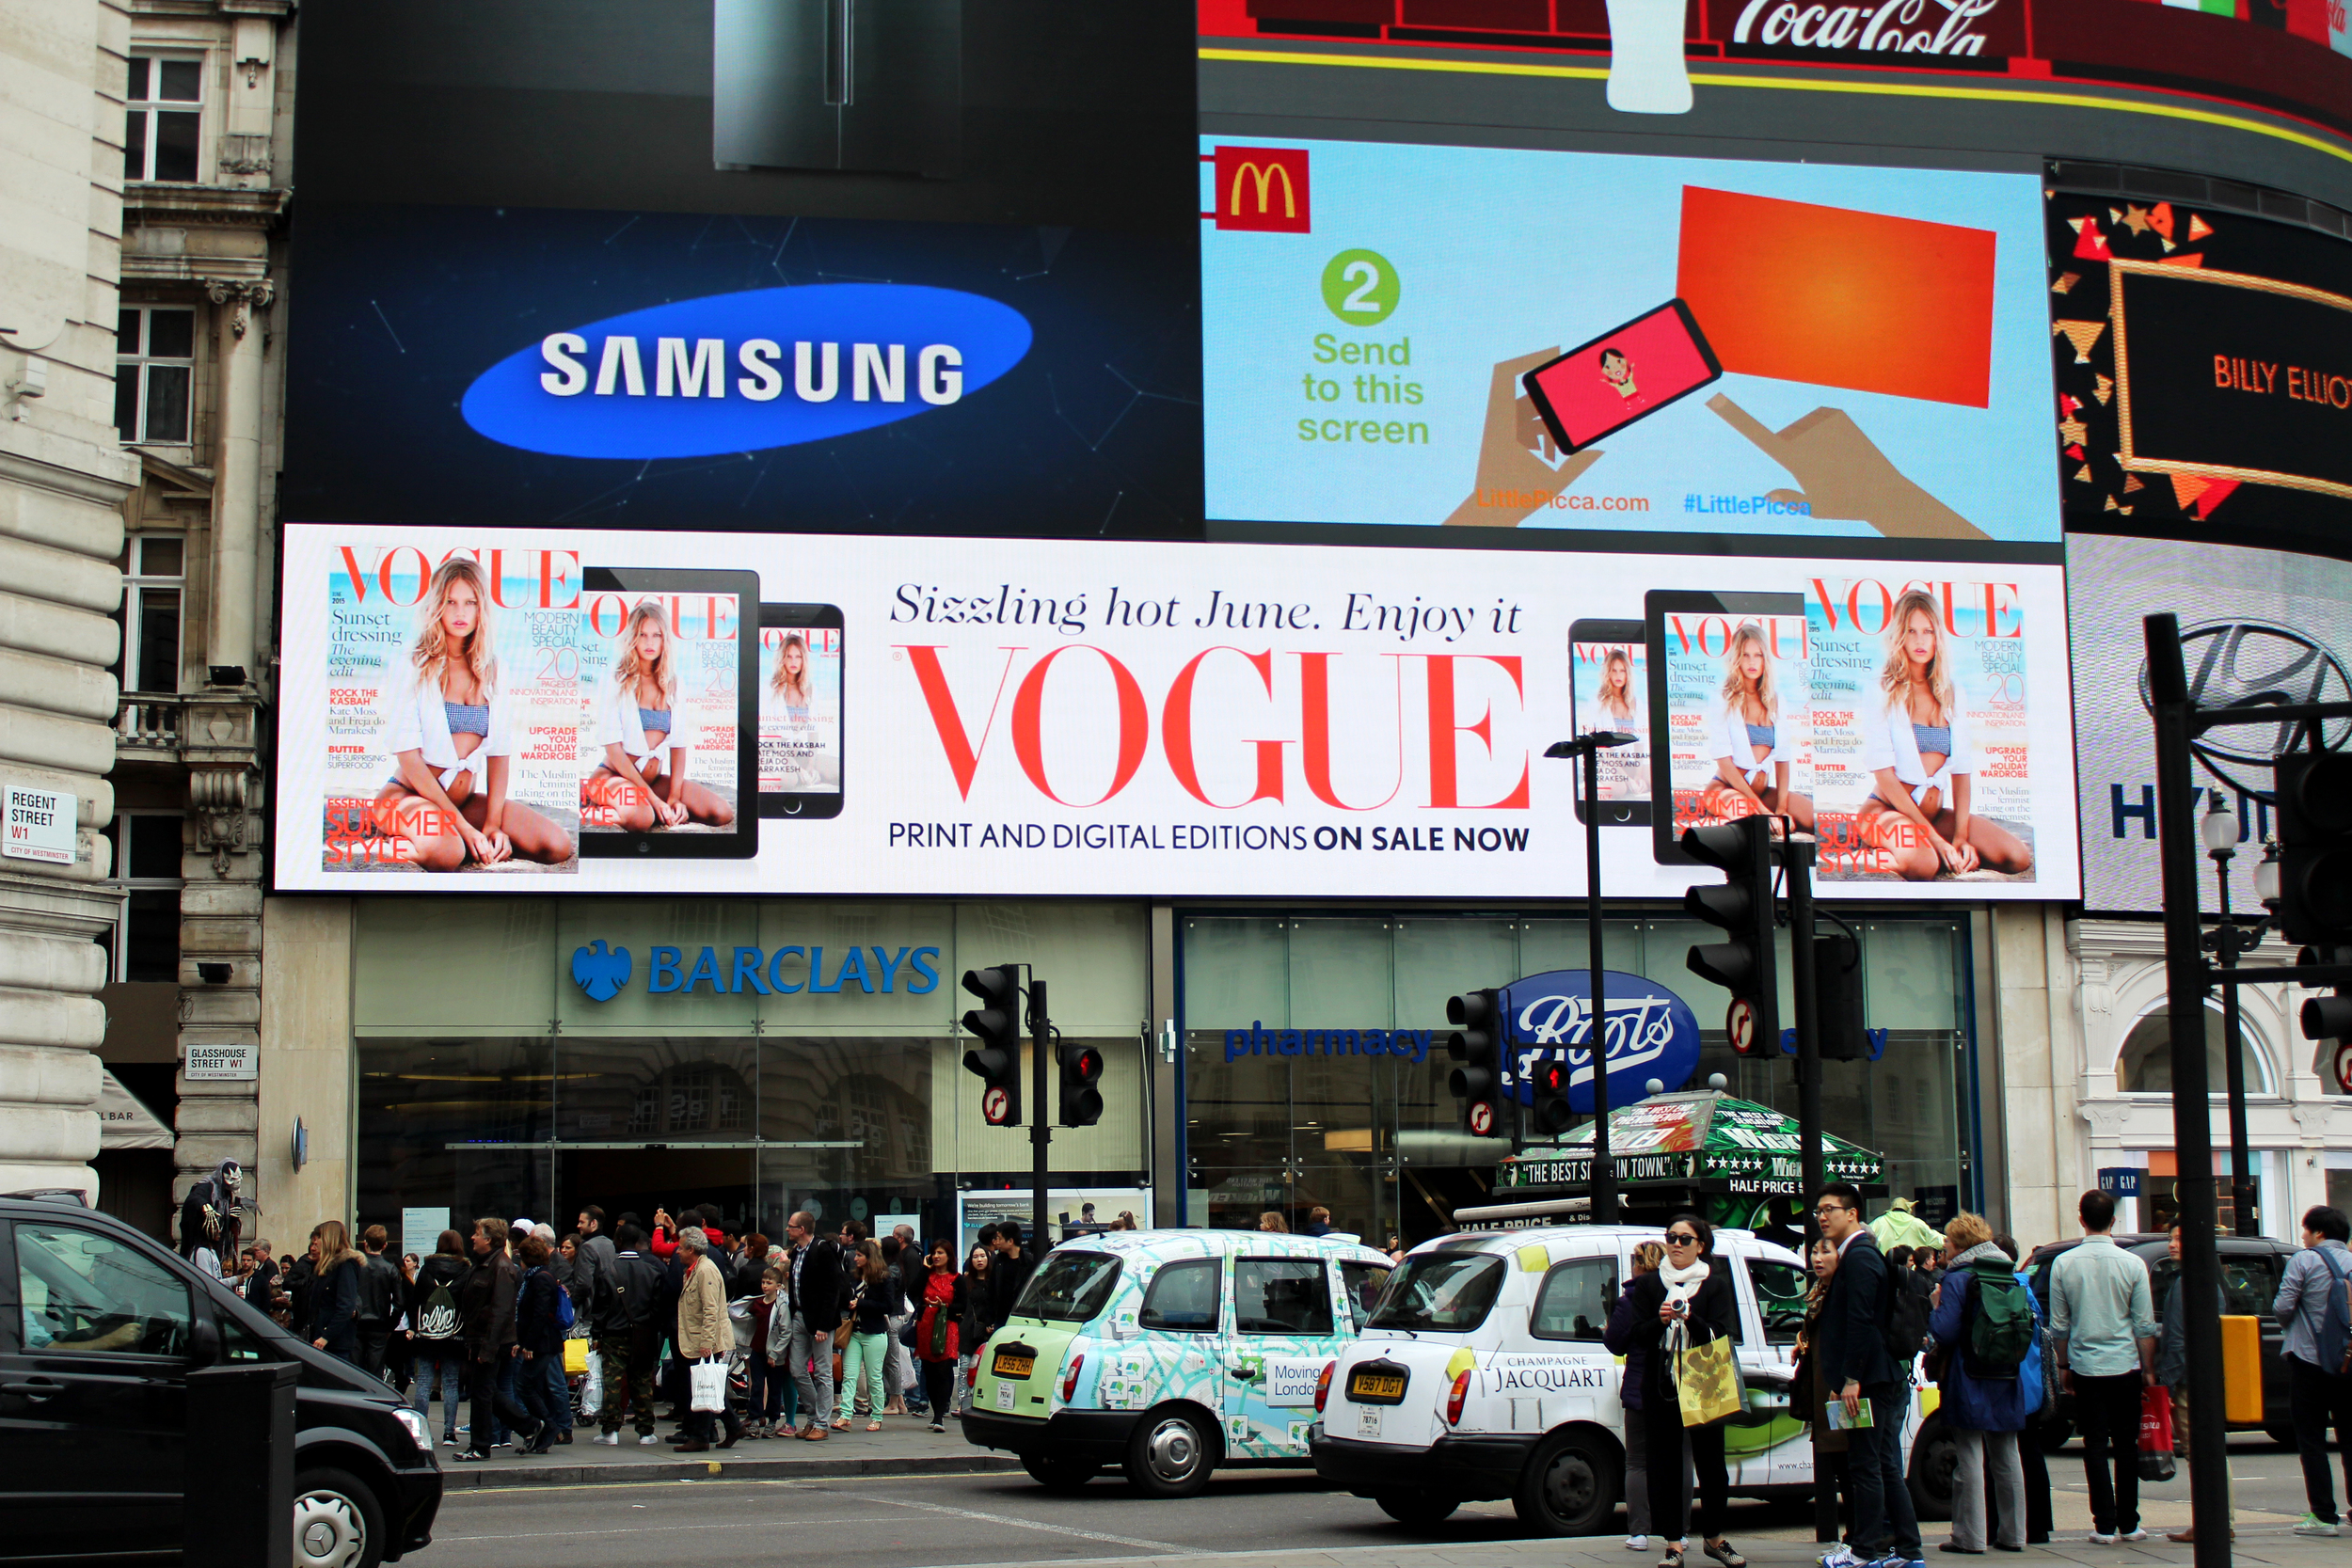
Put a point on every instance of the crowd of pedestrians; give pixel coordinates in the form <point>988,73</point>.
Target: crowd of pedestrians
<point>523,1335</point>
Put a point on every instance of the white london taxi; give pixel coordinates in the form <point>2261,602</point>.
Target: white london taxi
<point>1482,1374</point>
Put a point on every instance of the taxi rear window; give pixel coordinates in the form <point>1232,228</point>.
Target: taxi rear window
<point>1068,1286</point>
<point>1445,1293</point>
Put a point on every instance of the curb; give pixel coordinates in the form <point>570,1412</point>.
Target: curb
<point>474,1478</point>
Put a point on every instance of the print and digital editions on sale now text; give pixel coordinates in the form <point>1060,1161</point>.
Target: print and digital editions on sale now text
<point>1128,719</point>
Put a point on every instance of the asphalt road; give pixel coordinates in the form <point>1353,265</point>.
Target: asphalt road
<point>944,1521</point>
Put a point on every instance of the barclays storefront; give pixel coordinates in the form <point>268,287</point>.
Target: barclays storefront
<point>1315,1069</point>
<point>529,1057</point>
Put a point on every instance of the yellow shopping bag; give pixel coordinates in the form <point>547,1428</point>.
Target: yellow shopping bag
<point>575,1357</point>
<point>1707,1379</point>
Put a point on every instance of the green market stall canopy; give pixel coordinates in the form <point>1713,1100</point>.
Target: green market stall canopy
<point>1671,1150</point>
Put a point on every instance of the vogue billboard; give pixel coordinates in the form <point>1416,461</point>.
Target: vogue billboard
<point>464,709</point>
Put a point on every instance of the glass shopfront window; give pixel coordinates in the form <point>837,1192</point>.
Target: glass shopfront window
<point>492,1083</point>
<point>1376,1139</point>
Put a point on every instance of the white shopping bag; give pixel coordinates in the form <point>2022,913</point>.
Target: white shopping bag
<point>592,1391</point>
<point>710,1380</point>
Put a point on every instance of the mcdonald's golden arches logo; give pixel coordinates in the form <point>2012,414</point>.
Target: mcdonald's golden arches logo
<point>1262,188</point>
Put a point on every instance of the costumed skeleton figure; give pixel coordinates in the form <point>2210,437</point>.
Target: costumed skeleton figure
<point>211,1217</point>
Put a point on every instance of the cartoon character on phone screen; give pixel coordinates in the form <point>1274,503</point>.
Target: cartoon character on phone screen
<point>639,717</point>
<point>1750,742</point>
<point>1918,753</point>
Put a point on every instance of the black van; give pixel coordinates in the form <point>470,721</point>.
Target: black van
<point>100,1326</point>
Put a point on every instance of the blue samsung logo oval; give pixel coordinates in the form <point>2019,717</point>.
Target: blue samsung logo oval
<point>744,371</point>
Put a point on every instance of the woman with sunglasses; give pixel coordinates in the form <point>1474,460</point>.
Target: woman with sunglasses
<point>1686,1303</point>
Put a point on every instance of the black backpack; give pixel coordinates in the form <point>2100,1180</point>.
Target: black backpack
<point>1903,1316</point>
<point>438,1320</point>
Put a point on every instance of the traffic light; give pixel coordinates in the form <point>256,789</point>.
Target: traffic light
<point>1548,1079</point>
<point>997,1059</point>
<point>1477,1043</point>
<point>2328,1019</point>
<point>2314,793</point>
<point>1742,851</point>
<point>1081,1070</point>
<point>1837,984</point>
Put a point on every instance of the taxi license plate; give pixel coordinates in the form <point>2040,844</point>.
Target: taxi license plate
<point>1016,1366</point>
<point>1376,1387</point>
<point>1368,1420</point>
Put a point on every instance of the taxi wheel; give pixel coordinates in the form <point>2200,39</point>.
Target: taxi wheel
<point>1170,1455</point>
<point>1570,1487</point>
<point>1416,1508</point>
<point>1933,1469</point>
<point>1058,1472</point>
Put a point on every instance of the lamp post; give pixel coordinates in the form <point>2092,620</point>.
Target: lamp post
<point>2221,835</point>
<point>1589,746</point>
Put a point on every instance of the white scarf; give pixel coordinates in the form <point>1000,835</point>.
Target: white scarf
<point>1681,1284</point>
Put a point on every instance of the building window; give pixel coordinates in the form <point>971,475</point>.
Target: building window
<point>2144,1066</point>
<point>162,113</point>
<point>155,372</point>
<point>147,863</point>
<point>152,584</point>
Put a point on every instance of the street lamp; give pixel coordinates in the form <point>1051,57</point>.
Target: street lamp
<point>2221,835</point>
<point>1589,746</point>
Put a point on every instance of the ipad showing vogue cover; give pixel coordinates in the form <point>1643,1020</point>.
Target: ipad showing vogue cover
<point>667,665</point>
<point>800,710</point>
<point>453,716</point>
<point>1609,690</point>
<point>1730,711</point>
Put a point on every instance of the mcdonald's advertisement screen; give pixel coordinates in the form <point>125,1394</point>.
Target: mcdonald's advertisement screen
<point>1515,338</point>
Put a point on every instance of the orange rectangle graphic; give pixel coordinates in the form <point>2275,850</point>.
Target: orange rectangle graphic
<point>1841,298</point>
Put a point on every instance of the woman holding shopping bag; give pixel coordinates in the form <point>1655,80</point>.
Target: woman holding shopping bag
<point>1685,1307</point>
<point>876,1299</point>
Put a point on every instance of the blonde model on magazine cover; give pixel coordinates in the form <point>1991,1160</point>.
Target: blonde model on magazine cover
<point>1750,743</point>
<point>788,687</point>
<point>1918,752</point>
<point>639,717</point>
<point>451,742</point>
<point>1617,698</point>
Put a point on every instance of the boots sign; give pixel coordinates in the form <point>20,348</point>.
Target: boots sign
<point>1016,718</point>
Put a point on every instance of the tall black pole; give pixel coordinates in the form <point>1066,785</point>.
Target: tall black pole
<point>2234,1067</point>
<point>2187,982</point>
<point>1812,1173</point>
<point>1597,1034</point>
<point>1041,1115</point>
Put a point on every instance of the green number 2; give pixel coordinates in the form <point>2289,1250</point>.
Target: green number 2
<point>1360,287</point>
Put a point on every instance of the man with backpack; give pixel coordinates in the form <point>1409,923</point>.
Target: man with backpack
<point>1985,1324</point>
<point>2102,1327</point>
<point>1867,1341</point>
<point>625,1319</point>
<point>2315,1309</point>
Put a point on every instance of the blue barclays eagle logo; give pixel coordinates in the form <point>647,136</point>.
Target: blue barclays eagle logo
<point>600,974</point>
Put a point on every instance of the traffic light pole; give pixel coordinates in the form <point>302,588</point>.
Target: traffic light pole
<point>1597,1034</point>
<point>2186,983</point>
<point>1040,1121</point>
<point>1796,861</point>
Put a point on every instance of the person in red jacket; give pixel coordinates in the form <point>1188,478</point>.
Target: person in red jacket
<point>935,1334</point>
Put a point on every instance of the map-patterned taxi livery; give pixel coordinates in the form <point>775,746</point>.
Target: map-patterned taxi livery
<point>1170,1354</point>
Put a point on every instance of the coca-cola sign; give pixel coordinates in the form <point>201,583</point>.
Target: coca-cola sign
<point>1951,29</point>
